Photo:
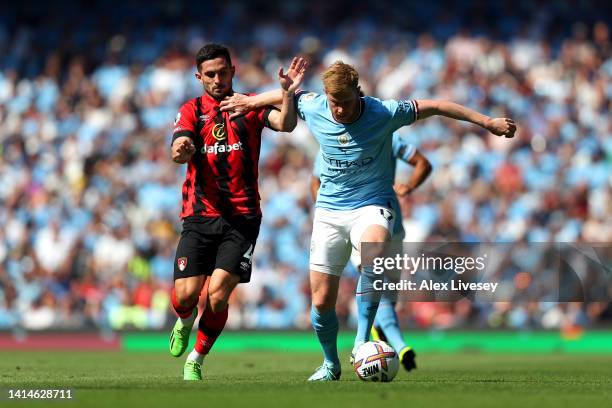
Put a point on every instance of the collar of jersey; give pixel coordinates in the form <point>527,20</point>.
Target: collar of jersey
<point>206,98</point>
<point>363,108</point>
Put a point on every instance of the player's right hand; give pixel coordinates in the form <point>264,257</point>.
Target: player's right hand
<point>237,104</point>
<point>182,149</point>
<point>501,127</point>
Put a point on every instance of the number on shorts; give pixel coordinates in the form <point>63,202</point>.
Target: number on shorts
<point>386,214</point>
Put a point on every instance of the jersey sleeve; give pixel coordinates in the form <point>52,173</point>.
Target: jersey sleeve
<point>403,112</point>
<point>316,167</point>
<point>184,123</point>
<point>402,149</point>
<point>303,102</point>
<point>264,114</point>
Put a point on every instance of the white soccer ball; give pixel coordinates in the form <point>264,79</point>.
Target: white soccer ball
<point>376,361</point>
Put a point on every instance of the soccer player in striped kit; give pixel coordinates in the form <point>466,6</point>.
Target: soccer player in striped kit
<point>221,211</point>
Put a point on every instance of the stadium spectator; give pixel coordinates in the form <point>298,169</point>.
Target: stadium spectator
<point>88,197</point>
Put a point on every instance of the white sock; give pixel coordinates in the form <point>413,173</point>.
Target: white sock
<point>195,356</point>
<point>189,321</point>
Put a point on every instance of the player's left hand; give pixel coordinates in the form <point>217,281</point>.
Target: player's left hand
<point>501,127</point>
<point>402,189</point>
<point>294,70</point>
<point>238,104</point>
<point>291,80</point>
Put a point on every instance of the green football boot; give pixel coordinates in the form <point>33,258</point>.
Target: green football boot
<point>192,371</point>
<point>179,338</point>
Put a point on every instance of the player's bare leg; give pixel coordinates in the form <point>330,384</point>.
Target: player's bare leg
<point>324,290</point>
<point>212,322</point>
<point>185,295</point>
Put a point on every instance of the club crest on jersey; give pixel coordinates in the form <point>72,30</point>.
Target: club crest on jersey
<point>344,139</point>
<point>218,131</point>
<point>182,263</point>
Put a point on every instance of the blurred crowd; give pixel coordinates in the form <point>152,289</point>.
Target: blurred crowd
<point>90,198</point>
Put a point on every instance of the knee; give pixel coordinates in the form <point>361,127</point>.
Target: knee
<point>186,296</point>
<point>377,249</point>
<point>323,302</point>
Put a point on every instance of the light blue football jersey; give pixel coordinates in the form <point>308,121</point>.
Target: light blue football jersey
<point>401,150</point>
<point>356,166</point>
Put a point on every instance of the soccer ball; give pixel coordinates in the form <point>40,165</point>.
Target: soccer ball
<point>376,361</point>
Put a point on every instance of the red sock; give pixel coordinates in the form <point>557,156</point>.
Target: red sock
<point>210,327</point>
<point>182,311</point>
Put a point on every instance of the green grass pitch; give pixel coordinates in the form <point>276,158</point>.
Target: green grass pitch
<point>275,379</point>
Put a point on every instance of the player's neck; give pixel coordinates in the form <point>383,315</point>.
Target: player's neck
<point>218,99</point>
<point>357,116</point>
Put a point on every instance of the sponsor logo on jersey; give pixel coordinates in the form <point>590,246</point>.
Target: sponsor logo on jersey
<point>218,131</point>
<point>348,163</point>
<point>220,148</point>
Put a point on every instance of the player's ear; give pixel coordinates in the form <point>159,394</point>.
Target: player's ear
<point>198,76</point>
<point>233,70</point>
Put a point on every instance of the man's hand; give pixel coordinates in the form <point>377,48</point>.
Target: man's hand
<point>182,149</point>
<point>402,189</point>
<point>296,69</point>
<point>291,80</point>
<point>238,104</point>
<point>501,127</point>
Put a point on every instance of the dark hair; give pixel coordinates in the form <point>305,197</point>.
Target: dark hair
<point>212,51</point>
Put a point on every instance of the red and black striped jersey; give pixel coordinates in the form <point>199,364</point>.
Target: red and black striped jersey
<point>222,174</point>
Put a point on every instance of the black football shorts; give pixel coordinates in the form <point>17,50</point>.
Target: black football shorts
<point>209,243</point>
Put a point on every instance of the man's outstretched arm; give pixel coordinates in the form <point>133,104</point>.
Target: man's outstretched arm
<point>239,104</point>
<point>498,126</point>
<point>285,120</point>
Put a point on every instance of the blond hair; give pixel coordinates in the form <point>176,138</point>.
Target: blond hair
<point>340,79</point>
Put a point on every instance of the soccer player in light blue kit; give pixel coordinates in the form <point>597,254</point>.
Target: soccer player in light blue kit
<point>386,325</point>
<point>353,204</point>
